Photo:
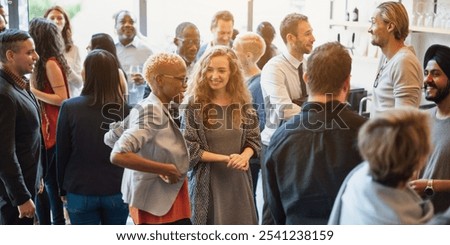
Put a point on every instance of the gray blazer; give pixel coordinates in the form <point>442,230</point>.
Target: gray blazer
<point>150,131</point>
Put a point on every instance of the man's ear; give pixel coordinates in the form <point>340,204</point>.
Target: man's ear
<point>9,55</point>
<point>305,77</point>
<point>390,27</point>
<point>346,86</point>
<point>176,41</point>
<point>289,37</point>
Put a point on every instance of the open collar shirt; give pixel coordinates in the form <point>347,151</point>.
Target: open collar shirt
<point>134,53</point>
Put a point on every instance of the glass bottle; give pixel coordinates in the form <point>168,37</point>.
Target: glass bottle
<point>355,14</point>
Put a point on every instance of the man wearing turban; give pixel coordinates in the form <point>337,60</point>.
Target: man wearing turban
<point>435,179</point>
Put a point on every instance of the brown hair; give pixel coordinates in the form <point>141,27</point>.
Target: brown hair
<point>236,87</point>
<point>290,24</point>
<point>328,66</point>
<point>67,29</point>
<point>224,15</point>
<point>396,143</point>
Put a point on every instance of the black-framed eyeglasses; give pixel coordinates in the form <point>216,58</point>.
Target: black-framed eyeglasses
<point>189,41</point>
<point>181,79</point>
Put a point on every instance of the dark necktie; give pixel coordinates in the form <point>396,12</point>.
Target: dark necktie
<point>302,82</point>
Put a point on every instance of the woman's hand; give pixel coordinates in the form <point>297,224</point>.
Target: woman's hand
<point>239,162</point>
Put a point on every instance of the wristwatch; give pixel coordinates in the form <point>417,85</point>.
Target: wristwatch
<point>429,191</point>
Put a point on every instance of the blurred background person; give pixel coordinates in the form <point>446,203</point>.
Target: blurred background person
<point>221,28</point>
<point>249,47</point>
<point>132,51</point>
<point>222,134</point>
<point>105,42</point>
<point>395,146</point>
<point>92,198</point>
<point>235,33</point>
<point>2,24</point>
<point>187,41</point>
<point>61,19</point>
<point>3,13</point>
<point>49,85</point>
<point>267,32</point>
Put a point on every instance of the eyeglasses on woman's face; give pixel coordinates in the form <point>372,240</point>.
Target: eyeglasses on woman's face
<point>181,79</point>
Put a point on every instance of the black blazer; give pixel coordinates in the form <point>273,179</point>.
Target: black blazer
<point>20,143</point>
<point>82,159</point>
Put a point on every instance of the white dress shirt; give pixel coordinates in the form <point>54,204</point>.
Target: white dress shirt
<point>280,84</point>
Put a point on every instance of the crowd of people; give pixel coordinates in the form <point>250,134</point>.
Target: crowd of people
<point>181,137</point>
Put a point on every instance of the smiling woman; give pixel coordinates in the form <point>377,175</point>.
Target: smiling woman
<point>222,134</point>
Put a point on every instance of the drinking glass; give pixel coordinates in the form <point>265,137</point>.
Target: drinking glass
<point>135,90</point>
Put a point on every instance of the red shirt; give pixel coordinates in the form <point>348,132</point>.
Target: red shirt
<point>181,209</point>
<point>49,113</point>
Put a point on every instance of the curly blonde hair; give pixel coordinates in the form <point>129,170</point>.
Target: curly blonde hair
<point>201,91</point>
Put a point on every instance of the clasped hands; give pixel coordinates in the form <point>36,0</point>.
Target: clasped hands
<point>237,161</point>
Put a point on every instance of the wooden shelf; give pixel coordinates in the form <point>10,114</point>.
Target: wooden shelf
<point>416,29</point>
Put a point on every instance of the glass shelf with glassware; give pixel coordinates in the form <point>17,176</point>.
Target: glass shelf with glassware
<point>425,16</point>
<point>362,25</point>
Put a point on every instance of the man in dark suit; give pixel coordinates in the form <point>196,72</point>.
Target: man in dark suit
<point>20,139</point>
